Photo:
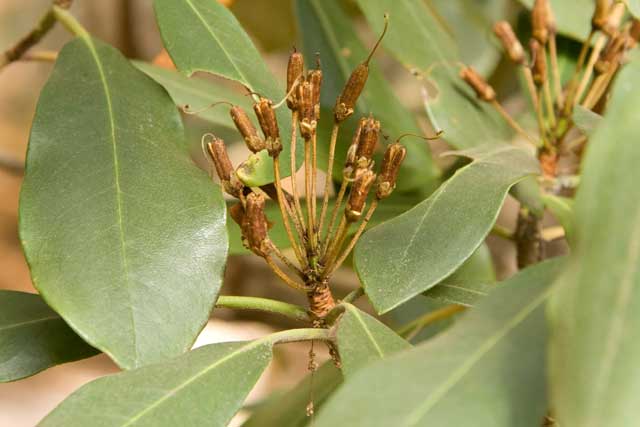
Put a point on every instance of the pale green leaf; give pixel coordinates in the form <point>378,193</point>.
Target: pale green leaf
<point>486,370</point>
<point>573,17</point>
<point>634,7</point>
<point>595,345</point>
<point>562,209</point>
<point>362,340</point>
<point>123,234</point>
<point>33,337</point>
<point>203,35</point>
<point>204,387</point>
<point>586,120</point>
<point>414,251</point>
<point>420,43</point>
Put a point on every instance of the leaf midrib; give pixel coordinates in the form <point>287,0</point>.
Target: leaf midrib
<point>29,322</point>
<point>369,335</point>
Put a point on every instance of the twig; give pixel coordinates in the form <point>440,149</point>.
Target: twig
<point>292,311</point>
<point>329,178</point>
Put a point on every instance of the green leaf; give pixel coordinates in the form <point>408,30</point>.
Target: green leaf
<point>573,18</point>
<point>204,387</point>
<point>634,7</point>
<point>586,120</point>
<point>123,234</point>
<point>479,267</point>
<point>486,370</point>
<point>33,337</point>
<point>202,35</point>
<point>562,210</point>
<point>461,293</point>
<point>329,31</point>
<point>420,43</point>
<point>362,339</point>
<point>595,344</point>
<point>197,93</point>
<point>289,409</point>
<point>415,251</point>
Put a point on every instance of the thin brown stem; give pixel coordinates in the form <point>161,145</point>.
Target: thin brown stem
<point>586,77</point>
<point>551,114</point>
<point>514,125</point>
<point>308,193</point>
<point>535,101</point>
<point>314,178</point>
<point>555,70</point>
<point>286,261</point>
<point>282,275</point>
<point>338,240</point>
<point>599,87</point>
<point>571,87</point>
<point>294,185</point>
<point>334,213</point>
<point>329,177</point>
<point>412,328</point>
<point>283,204</point>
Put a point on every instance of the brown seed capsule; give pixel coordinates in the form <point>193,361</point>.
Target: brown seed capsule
<point>369,135</point>
<point>350,160</point>
<point>224,168</point>
<point>509,41</point>
<point>600,14</point>
<point>539,21</point>
<point>269,125</point>
<point>306,110</point>
<point>315,78</point>
<point>538,56</point>
<point>246,129</point>
<point>482,89</point>
<point>358,195</point>
<point>393,158</point>
<point>295,69</point>
<point>254,224</point>
<point>346,102</point>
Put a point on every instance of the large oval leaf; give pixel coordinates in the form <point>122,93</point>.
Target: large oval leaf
<point>202,35</point>
<point>417,39</point>
<point>33,337</point>
<point>595,345</point>
<point>486,371</point>
<point>124,236</point>
<point>328,31</point>
<point>413,252</point>
<point>204,387</point>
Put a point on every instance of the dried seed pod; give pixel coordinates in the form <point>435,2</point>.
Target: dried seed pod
<point>538,56</point>
<point>306,110</point>
<point>600,14</point>
<point>482,89</point>
<point>246,129</point>
<point>295,70</point>
<point>393,158</point>
<point>255,226</point>
<point>315,78</point>
<point>269,125</point>
<point>634,32</point>
<point>224,168</point>
<point>539,21</point>
<point>358,196</point>
<point>509,41</point>
<point>367,142</point>
<point>350,160</point>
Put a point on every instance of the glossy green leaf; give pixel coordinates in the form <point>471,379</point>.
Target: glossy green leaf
<point>573,17</point>
<point>420,43</point>
<point>203,35</point>
<point>562,209</point>
<point>461,293</point>
<point>362,340</point>
<point>327,29</point>
<point>413,252</point>
<point>123,234</point>
<point>290,408</point>
<point>487,370</point>
<point>33,337</point>
<point>204,387</point>
<point>595,345</point>
<point>586,120</point>
<point>197,93</point>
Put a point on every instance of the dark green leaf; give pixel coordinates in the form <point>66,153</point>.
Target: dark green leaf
<point>415,251</point>
<point>479,267</point>
<point>595,344</point>
<point>33,337</point>
<point>328,30</point>
<point>362,339</point>
<point>420,43</point>
<point>204,387</point>
<point>124,236</point>
<point>202,35</point>
<point>487,370</point>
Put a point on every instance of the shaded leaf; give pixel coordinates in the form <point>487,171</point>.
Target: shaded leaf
<point>490,364</point>
<point>420,43</point>
<point>362,340</point>
<point>562,210</point>
<point>203,35</point>
<point>634,7</point>
<point>329,31</point>
<point>413,252</point>
<point>33,337</point>
<point>479,267</point>
<point>462,293</point>
<point>586,120</point>
<point>595,345</point>
<point>573,18</point>
<point>124,236</point>
<point>204,387</point>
